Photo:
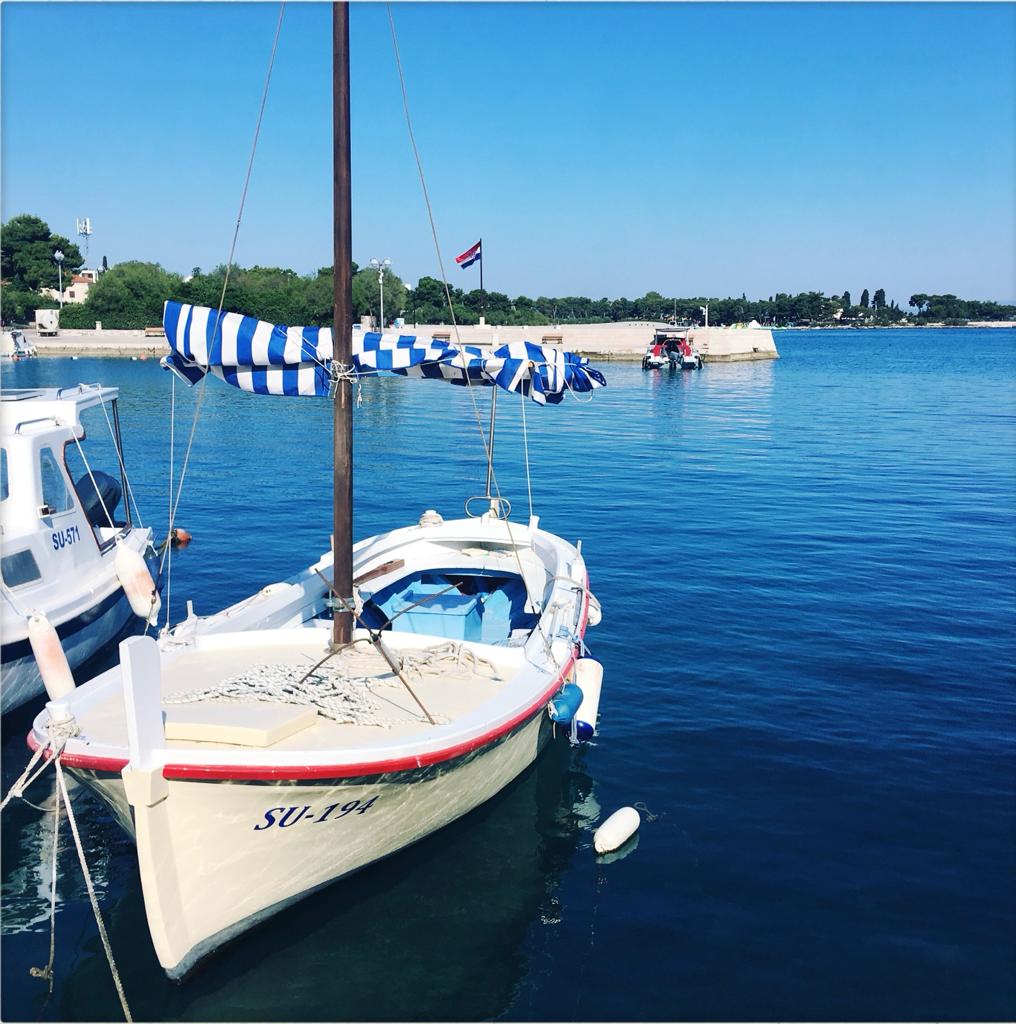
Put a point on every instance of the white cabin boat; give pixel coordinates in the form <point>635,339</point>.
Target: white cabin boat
<point>69,536</point>
<point>672,347</point>
<point>14,345</point>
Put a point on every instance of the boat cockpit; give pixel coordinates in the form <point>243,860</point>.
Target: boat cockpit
<point>59,508</point>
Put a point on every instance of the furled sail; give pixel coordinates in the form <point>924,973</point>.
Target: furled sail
<point>272,359</point>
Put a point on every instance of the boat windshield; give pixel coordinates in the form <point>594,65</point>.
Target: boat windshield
<point>97,481</point>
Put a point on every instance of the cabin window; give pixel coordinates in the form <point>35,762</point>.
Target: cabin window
<point>55,493</point>
<point>19,568</point>
<point>5,491</point>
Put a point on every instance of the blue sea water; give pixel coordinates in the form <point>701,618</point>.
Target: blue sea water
<point>806,572</point>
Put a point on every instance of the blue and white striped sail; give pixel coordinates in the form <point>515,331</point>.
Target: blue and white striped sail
<point>266,359</point>
<point>271,359</point>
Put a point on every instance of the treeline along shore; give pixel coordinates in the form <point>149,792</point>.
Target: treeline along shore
<point>129,296</point>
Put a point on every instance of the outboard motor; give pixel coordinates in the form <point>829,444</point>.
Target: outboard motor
<point>100,494</point>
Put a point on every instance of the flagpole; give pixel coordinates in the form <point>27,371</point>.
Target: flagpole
<point>483,294</point>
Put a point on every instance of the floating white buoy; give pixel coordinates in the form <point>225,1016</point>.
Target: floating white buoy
<point>49,656</point>
<point>616,830</point>
<point>626,849</point>
<point>137,583</point>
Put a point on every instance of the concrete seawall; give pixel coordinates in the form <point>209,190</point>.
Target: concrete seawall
<point>734,344</point>
<point>608,342</point>
<point>627,340</point>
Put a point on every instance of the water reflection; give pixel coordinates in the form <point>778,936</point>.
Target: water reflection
<point>435,932</point>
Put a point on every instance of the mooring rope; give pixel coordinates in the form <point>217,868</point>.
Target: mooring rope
<point>91,891</point>
<point>47,971</point>
<point>59,733</point>
<point>23,781</point>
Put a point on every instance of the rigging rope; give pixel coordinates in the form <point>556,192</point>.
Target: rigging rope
<point>91,476</point>
<point>119,456</point>
<point>455,327</point>
<point>225,281</point>
<point>169,508</point>
<point>525,443</point>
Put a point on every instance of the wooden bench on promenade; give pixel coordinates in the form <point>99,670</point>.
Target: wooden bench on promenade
<point>552,339</point>
<point>155,332</point>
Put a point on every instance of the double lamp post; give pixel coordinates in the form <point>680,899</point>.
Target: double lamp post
<point>381,266</point>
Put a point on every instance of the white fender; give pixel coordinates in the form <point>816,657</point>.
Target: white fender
<point>616,830</point>
<point>49,655</point>
<point>589,677</point>
<point>137,583</point>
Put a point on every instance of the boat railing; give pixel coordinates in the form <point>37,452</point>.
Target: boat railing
<point>40,419</point>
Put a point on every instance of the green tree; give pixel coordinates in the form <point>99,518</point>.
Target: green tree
<point>26,254</point>
<point>367,294</point>
<point>130,295</point>
<point>864,299</point>
<point>846,301</point>
<point>879,301</point>
<point>20,306</point>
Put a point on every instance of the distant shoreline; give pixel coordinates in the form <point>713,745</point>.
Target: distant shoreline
<point>977,325</point>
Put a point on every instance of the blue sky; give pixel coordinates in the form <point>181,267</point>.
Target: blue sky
<point>599,149</point>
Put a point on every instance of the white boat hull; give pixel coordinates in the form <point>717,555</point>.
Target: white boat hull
<point>199,848</point>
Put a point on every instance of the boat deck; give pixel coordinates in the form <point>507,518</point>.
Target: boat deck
<point>373,704</point>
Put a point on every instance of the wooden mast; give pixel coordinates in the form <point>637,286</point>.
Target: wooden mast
<point>342,333</point>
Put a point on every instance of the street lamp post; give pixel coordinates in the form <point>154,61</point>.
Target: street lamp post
<point>381,266</point>
<point>59,257</point>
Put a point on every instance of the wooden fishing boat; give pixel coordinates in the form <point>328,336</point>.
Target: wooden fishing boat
<point>217,755</point>
<point>383,692</point>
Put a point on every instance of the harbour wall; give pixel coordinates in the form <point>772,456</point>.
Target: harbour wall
<point>613,341</point>
<point>734,344</point>
<point>627,340</point>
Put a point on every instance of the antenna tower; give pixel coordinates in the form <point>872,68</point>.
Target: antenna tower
<point>84,230</point>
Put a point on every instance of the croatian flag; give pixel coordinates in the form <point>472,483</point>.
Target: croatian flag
<point>469,257</point>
